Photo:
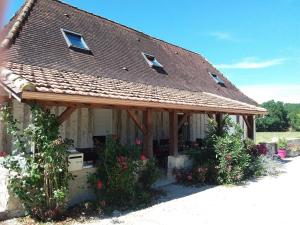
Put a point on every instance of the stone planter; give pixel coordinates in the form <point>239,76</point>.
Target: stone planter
<point>178,162</point>
<point>293,153</point>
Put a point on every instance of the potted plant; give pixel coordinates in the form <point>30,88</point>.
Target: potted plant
<point>282,146</point>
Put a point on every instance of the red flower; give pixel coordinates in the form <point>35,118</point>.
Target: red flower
<point>138,141</point>
<point>143,158</point>
<point>3,154</point>
<point>99,184</point>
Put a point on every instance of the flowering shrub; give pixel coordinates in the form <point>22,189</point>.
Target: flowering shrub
<point>226,156</point>
<point>40,178</point>
<point>232,157</point>
<point>192,176</point>
<point>262,149</point>
<point>124,177</point>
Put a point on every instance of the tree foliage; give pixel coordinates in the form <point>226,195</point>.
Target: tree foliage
<point>294,115</point>
<point>277,118</point>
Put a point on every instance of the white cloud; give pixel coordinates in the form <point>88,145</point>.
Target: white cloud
<point>222,36</point>
<point>288,93</point>
<point>251,63</point>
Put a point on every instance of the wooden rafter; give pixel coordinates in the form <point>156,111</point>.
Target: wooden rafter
<point>210,116</point>
<point>66,114</point>
<point>246,121</point>
<point>137,122</point>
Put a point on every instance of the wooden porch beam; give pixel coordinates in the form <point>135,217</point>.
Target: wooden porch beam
<point>183,120</point>
<point>66,114</point>
<point>219,119</point>
<point>173,133</point>
<point>249,120</point>
<point>127,107</point>
<point>148,137</point>
<point>32,95</point>
<point>137,122</point>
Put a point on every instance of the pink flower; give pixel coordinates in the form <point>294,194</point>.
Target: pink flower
<point>138,141</point>
<point>189,177</point>
<point>143,158</point>
<point>99,185</point>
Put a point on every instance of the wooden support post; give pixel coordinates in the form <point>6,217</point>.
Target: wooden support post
<point>219,120</point>
<point>148,136</point>
<point>66,114</point>
<point>183,120</point>
<point>249,120</point>
<point>173,133</point>
<point>136,121</point>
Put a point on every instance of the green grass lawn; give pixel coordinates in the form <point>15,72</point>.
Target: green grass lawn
<point>267,136</point>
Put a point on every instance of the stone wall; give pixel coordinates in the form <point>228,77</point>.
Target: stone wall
<point>78,189</point>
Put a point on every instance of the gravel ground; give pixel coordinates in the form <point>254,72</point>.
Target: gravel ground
<point>271,200</point>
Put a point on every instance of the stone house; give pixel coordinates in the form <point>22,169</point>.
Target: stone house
<point>103,78</point>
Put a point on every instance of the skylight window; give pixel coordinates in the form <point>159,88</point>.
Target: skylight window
<point>75,40</point>
<point>152,61</point>
<point>217,79</point>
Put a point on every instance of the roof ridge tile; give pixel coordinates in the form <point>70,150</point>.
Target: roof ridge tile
<point>16,27</point>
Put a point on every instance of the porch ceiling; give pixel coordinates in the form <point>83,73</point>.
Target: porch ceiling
<point>44,84</point>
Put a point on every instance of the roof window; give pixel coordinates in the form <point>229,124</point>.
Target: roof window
<point>217,79</point>
<point>152,61</point>
<point>75,40</point>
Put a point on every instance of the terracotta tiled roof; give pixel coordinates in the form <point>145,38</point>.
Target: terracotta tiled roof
<point>64,82</point>
<point>36,43</point>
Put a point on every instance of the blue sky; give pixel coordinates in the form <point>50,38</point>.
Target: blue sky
<point>255,43</point>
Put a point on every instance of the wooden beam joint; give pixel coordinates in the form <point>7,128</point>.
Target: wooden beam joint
<point>134,118</point>
<point>66,114</point>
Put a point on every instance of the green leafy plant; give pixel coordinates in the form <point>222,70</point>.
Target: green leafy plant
<point>282,143</point>
<point>124,177</point>
<point>38,165</point>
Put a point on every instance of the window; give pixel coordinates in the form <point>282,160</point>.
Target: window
<point>75,40</point>
<point>217,79</point>
<point>152,61</point>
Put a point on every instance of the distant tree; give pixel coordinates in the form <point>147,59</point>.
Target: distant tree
<point>294,115</point>
<point>295,120</point>
<point>277,118</point>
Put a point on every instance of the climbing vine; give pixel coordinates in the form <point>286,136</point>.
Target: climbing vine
<point>38,166</point>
